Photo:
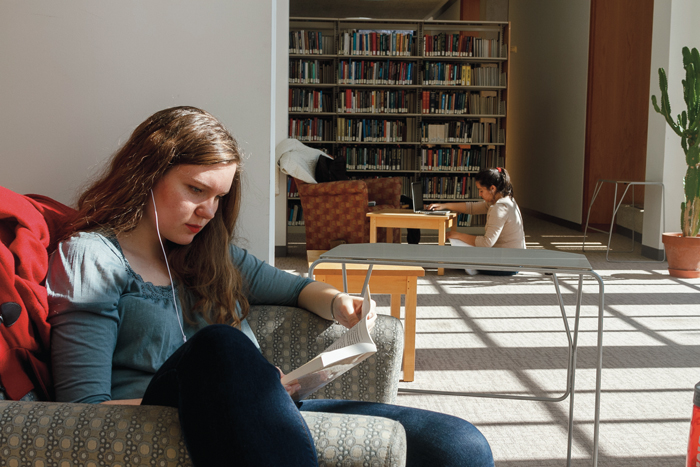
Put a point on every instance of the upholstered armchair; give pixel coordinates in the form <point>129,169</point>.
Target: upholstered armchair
<point>53,433</point>
<point>338,210</point>
<point>39,432</point>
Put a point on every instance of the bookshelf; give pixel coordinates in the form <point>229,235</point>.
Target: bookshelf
<point>420,100</point>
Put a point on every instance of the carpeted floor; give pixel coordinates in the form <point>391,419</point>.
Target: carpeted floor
<point>505,334</point>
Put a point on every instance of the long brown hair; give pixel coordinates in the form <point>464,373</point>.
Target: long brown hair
<point>115,203</point>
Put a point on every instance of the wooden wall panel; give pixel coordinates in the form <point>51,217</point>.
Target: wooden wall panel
<point>618,99</point>
<point>470,10</point>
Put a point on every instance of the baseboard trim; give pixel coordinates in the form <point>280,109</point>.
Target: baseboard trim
<point>652,253</point>
<point>647,251</point>
<point>625,232</point>
<point>552,219</point>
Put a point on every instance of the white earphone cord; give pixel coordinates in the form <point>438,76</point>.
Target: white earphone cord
<point>177,313</point>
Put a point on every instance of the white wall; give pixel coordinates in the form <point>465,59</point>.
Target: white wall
<point>282,117</point>
<point>675,26</point>
<point>79,75</point>
<point>547,104</point>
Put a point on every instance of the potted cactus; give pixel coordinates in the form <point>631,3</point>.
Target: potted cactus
<point>683,249</point>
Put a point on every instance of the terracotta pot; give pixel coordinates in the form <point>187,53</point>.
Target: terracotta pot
<point>683,255</point>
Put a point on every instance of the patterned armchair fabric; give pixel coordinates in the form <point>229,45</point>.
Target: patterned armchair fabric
<point>338,210</point>
<point>289,339</point>
<point>63,434</point>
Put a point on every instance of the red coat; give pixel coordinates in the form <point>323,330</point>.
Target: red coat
<point>29,229</point>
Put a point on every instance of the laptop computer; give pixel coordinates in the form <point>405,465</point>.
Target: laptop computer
<point>417,195</point>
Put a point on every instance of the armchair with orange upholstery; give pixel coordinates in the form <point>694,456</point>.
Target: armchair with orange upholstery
<point>338,210</point>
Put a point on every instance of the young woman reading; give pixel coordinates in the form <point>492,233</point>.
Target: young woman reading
<point>149,297</point>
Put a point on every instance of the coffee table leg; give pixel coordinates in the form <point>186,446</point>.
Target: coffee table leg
<point>441,241</point>
<point>409,350</point>
<point>372,230</point>
<point>396,305</point>
<point>389,235</point>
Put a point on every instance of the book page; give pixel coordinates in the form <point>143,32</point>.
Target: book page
<point>358,333</point>
<point>457,242</point>
<point>350,349</point>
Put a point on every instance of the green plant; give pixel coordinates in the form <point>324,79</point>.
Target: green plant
<point>687,126</point>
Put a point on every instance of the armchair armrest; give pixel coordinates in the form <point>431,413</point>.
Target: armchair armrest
<point>94,434</point>
<point>289,337</point>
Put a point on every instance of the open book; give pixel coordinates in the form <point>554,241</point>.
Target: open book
<point>349,350</point>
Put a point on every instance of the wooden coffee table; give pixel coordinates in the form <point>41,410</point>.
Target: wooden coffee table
<point>392,280</point>
<point>406,218</point>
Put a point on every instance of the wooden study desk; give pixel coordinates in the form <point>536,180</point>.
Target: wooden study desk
<point>499,259</point>
<point>391,218</point>
<point>392,280</point>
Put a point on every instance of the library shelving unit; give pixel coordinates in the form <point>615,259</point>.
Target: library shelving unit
<point>421,100</point>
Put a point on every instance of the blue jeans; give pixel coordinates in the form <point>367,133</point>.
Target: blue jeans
<point>233,409</point>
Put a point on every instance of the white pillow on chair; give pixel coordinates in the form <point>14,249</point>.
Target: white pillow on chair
<point>298,160</point>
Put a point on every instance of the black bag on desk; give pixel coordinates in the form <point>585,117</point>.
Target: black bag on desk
<point>330,170</point>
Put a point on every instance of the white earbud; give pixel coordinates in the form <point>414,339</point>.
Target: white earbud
<point>172,287</point>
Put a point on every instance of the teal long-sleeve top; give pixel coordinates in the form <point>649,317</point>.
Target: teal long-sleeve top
<point>111,330</point>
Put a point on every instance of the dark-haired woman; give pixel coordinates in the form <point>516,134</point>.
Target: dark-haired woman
<point>504,222</point>
<point>149,297</point>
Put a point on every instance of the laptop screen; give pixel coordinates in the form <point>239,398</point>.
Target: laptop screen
<point>417,194</point>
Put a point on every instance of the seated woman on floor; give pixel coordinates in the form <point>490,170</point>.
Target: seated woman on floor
<point>149,298</point>
<point>504,222</point>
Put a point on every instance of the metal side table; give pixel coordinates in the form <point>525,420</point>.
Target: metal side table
<point>616,206</point>
<point>499,259</point>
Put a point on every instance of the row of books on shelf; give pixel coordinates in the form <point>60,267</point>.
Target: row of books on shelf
<point>296,215</point>
<point>310,129</point>
<point>471,220</point>
<point>390,43</point>
<point>292,190</point>
<point>311,42</point>
<point>375,72</point>
<point>461,44</point>
<point>453,159</point>
<point>390,72</point>
<point>484,131</point>
<point>375,101</point>
<point>401,43</point>
<point>375,130</point>
<point>310,72</point>
<point>488,132</point>
<point>447,187</point>
<point>396,101</point>
<point>459,74</point>
<point>461,102</point>
<point>378,158</point>
<point>310,100</point>
<point>430,159</point>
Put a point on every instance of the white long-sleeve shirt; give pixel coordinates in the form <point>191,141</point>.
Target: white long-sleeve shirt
<point>504,223</point>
